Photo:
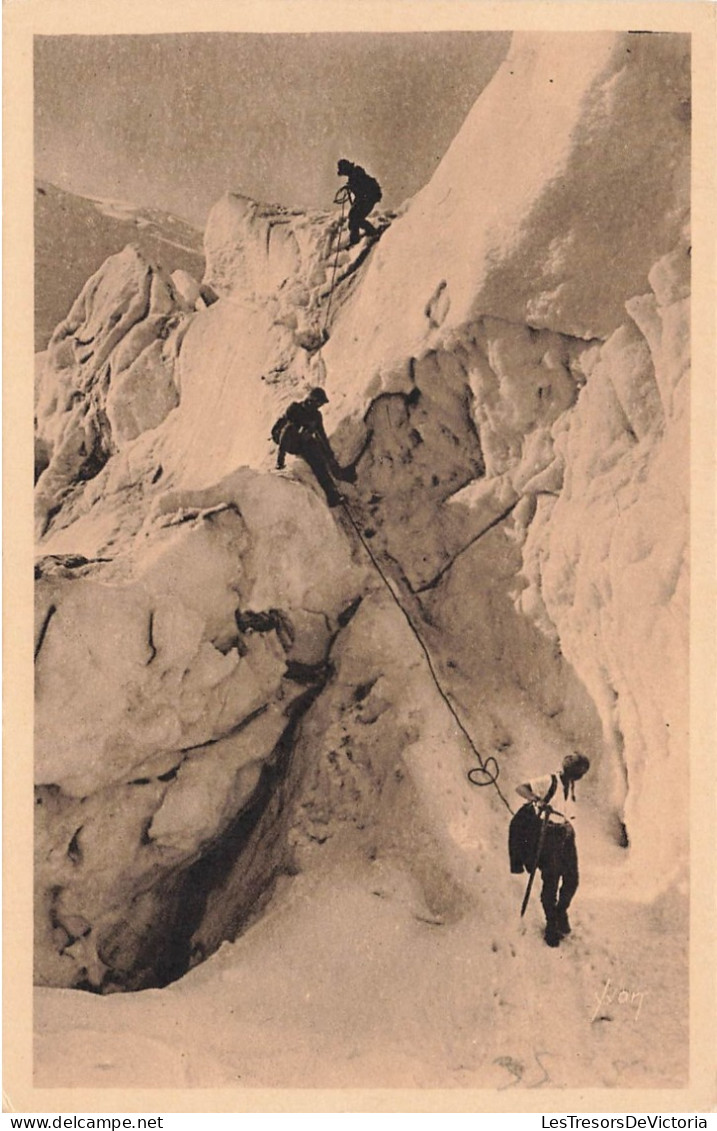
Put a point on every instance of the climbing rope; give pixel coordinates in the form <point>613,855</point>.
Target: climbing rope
<point>488,768</point>
<point>336,263</point>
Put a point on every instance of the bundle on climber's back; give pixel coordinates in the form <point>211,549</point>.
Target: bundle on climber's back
<point>300,420</point>
<point>300,432</point>
<point>364,185</point>
<point>282,425</point>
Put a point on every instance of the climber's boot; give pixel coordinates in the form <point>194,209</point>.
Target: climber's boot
<point>552,934</point>
<point>562,922</point>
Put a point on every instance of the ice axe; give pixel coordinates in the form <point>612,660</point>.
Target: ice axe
<point>541,838</point>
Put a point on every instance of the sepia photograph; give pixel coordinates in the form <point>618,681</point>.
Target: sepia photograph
<point>361,740</point>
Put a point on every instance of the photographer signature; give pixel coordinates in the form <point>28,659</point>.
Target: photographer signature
<point>611,995</point>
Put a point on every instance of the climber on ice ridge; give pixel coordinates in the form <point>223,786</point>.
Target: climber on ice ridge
<point>364,192</point>
<point>300,432</point>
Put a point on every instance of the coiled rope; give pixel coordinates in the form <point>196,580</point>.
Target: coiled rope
<point>487,770</point>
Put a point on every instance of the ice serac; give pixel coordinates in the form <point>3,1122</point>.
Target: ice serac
<point>74,235</point>
<point>107,375</point>
<point>165,695</point>
<point>256,349</point>
<point>259,249</point>
<point>225,683</point>
<point>607,559</point>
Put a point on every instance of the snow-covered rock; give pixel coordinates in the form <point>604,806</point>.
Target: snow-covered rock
<point>161,700</point>
<point>622,582</point>
<point>507,368</point>
<point>257,249</point>
<point>74,235</point>
<point>187,287</point>
<point>107,375</point>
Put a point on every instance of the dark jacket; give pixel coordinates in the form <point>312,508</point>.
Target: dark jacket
<point>524,833</point>
<point>301,423</point>
<point>362,186</point>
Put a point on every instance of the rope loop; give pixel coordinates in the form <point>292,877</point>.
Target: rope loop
<point>486,771</point>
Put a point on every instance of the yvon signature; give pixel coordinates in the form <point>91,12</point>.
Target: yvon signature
<point>622,997</point>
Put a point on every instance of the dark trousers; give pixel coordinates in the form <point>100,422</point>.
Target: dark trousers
<point>314,454</point>
<point>357,220</point>
<point>346,474</point>
<point>559,869</point>
<point>316,451</point>
<point>558,861</point>
<point>322,462</point>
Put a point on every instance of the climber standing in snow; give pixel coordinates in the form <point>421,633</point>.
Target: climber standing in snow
<point>364,192</point>
<point>542,835</point>
<point>300,431</point>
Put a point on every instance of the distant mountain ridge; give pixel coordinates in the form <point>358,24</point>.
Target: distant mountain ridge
<point>74,235</point>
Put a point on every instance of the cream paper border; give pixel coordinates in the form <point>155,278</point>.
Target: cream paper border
<point>25,18</point>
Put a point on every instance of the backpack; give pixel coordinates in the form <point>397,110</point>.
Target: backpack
<point>278,428</point>
<point>375,188</point>
<point>365,186</point>
<point>290,428</point>
<point>524,833</point>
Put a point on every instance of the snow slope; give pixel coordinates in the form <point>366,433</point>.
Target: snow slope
<point>244,708</point>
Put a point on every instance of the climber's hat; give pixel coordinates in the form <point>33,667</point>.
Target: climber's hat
<point>575,766</point>
<point>318,396</point>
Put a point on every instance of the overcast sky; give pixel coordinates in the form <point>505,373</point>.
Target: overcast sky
<point>173,121</point>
